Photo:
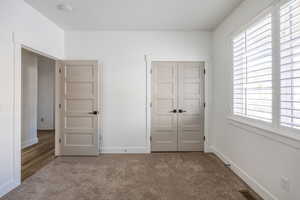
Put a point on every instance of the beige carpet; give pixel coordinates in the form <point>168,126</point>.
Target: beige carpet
<point>174,176</point>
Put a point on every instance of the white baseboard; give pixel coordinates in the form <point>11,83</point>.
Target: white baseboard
<point>254,184</point>
<point>7,187</point>
<point>29,142</point>
<point>125,150</point>
<point>208,149</point>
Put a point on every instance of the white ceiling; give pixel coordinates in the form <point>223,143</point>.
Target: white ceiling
<point>137,14</point>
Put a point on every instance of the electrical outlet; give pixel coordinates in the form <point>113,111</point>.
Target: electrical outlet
<point>285,184</point>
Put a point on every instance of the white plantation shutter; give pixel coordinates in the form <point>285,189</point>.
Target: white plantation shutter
<point>252,71</point>
<point>239,74</point>
<point>290,64</point>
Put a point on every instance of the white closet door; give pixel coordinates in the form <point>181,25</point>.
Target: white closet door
<point>164,101</point>
<point>79,108</point>
<point>190,106</point>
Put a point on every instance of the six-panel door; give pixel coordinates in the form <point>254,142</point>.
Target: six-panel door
<point>79,101</point>
<point>177,86</point>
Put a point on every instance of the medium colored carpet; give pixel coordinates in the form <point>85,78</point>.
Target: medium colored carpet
<point>162,176</point>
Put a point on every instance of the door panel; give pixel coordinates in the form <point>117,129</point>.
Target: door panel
<point>191,101</point>
<point>79,98</point>
<point>164,100</point>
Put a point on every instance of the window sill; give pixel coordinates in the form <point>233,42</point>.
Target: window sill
<point>280,135</point>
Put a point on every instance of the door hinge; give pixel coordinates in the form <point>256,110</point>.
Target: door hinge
<point>204,104</point>
<point>204,138</point>
<point>150,138</point>
<point>204,71</point>
<point>59,140</point>
<point>150,104</point>
<point>59,70</point>
<point>59,105</point>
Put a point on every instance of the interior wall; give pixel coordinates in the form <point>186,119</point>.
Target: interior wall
<point>46,93</point>
<point>122,54</point>
<point>6,113</point>
<point>29,98</point>
<point>31,29</point>
<point>259,160</point>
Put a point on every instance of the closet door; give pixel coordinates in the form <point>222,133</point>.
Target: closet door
<point>191,106</point>
<point>164,105</point>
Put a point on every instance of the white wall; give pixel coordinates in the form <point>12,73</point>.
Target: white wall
<point>6,113</point>
<point>46,75</point>
<point>29,98</point>
<point>260,160</point>
<point>124,75</point>
<point>33,30</point>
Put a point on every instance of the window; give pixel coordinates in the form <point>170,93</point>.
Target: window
<point>252,71</point>
<point>290,64</point>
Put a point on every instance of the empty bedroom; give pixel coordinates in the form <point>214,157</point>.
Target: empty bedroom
<point>150,100</point>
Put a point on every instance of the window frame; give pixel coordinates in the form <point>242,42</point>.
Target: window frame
<point>274,126</point>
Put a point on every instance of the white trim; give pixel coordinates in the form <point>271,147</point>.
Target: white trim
<point>285,137</point>
<point>276,90</point>
<point>9,186</point>
<point>57,109</point>
<point>38,52</point>
<point>252,182</point>
<point>100,106</point>
<point>29,142</point>
<point>149,59</point>
<point>125,150</point>
<point>148,101</point>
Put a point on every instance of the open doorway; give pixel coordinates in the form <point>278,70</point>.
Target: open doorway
<point>37,113</point>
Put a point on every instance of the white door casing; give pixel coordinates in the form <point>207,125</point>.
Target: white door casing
<point>79,99</point>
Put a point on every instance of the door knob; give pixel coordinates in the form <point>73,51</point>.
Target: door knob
<point>95,112</point>
<point>173,111</point>
<point>181,111</point>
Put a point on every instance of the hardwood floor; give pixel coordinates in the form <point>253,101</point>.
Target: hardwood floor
<point>38,155</point>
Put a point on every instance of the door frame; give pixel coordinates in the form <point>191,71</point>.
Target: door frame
<point>18,46</point>
<point>17,104</point>
<point>207,89</point>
